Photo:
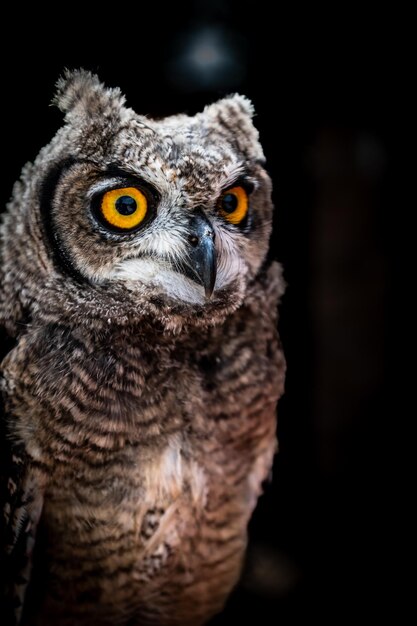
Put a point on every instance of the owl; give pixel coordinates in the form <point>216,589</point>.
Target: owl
<point>141,364</point>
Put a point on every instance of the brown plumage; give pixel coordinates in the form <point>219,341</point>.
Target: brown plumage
<point>139,408</point>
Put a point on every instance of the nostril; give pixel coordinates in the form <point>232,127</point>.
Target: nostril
<point>193,239</point>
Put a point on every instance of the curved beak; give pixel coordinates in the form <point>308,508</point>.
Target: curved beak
<point>202,264</point>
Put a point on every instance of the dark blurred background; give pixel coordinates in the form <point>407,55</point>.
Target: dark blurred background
<point>327,90</point>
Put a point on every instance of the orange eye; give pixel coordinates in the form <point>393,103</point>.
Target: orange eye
<point>234,204</point>
<point>125,208</point>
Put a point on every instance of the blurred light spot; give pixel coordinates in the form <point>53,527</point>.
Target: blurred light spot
<point>208,58</point>
<point>206,55</point>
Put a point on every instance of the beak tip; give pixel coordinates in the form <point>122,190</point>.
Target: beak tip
<point>209,285</point>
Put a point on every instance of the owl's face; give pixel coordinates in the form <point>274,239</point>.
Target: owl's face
<point>176,210</point>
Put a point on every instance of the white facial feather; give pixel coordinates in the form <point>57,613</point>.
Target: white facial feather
<point>230,264</point>
<point>162,273</point>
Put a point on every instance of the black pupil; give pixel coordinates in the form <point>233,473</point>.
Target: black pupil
<point>126,205</point>
<point>229,202</point>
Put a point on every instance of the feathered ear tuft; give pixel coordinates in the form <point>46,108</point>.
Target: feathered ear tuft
<point>234,115</point>
<point>234,106</point>
<point>81,94</point>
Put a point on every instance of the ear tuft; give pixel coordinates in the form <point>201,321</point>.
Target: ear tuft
<point>233,115</point>
<point>80,93</point>
<point>243,103</point>
<point>235,105</point>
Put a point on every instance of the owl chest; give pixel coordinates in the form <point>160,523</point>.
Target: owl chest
<point>169,529</point>
<point>76,399</point>
<point>153,462</point>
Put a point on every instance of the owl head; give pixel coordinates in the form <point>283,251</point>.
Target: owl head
<point>123,217</point>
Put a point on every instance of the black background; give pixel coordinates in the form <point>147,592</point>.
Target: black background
<point>328,92</point>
